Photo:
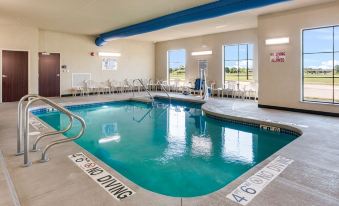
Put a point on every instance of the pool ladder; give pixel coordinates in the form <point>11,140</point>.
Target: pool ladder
<point>162,88</point>
<point>143,85</point>
<point>23,125</point>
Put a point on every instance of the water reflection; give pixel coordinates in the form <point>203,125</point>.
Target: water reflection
<point>237,145</point>
<point>114,138</point>
<point>201,146</point>
<point>109,133</point>
<point>176,133</point>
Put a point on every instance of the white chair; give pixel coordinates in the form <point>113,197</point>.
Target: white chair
<point>229,89</point>
<point>150,85</point>
<point>79,90</point>
<point>219,91</point>
<point>166,86</point>
<point>112,86</point>
<point>104,87</point>
<point>240,91</point>
<point>252,91</point>
<point>128,86</point>
<point>75,91</point>
<point>181,85</point>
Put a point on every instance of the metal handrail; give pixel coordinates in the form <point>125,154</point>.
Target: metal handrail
<point>163,88</point>
<point>25,120</point>
<point>144,116</point>
<point>69,126</point>
<point>143,85</point>
<point>19,122</point>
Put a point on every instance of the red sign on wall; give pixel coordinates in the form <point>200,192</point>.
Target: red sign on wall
<point>278,57</point>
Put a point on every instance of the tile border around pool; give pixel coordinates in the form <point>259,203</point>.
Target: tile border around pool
<point>254,124</point>
<point>286,129</point>
<point>257,123</point>
<point>230,118</point>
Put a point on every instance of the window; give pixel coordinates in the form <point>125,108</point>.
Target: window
<point>320,60</point>
<point>176,63</point>
<point>238,62</point>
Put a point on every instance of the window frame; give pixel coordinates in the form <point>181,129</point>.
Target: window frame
<point>333,52</point>
<point>168,62</point>
<point>238,61</point>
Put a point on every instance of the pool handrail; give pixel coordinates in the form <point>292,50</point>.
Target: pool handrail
<point>143,85</point>
<point>19,122</point>
<point>25,126</point>
<point>144,116</point>
<point>46,134</point>
<point>164,89</point>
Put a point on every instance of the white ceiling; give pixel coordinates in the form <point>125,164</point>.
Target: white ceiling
<point>232,22</point>
<point>92,17</point>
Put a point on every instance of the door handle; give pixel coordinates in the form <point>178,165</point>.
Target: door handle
<point>58,75</point>
<point>4,76</point>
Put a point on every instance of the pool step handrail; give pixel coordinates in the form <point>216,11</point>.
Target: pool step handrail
<point>143,85</point>
<point>23,127</point>
<point>144,116</point>
<point>162,88</point>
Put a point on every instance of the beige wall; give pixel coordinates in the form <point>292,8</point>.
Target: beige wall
<point>17,37</point>
<point>212,42</point>
<point>280,83</point>
<point>136,61</point>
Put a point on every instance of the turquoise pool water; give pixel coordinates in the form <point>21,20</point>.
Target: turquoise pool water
<point>171,149</point>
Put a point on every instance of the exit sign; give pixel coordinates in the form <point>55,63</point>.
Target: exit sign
<point>277,57</point>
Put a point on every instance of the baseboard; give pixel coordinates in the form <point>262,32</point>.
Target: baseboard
<point>299,110</point>
<point>66,95</point>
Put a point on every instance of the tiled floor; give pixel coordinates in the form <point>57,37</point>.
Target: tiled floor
<point>312,179</point>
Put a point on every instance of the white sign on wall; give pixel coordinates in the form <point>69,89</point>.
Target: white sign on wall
<point>203,64</point>
<point>78,79</point>
<point>109,63</point>
<point>277,57</point>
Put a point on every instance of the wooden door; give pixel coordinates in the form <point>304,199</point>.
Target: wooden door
<point>49,75</point>
<point>14,75</point>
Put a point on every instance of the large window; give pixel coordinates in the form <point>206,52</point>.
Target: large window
<point>320,60</point>
<point>238,62</point>
<point>176,62</point>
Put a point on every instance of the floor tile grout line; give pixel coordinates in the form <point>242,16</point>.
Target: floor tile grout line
<point>10,184</point>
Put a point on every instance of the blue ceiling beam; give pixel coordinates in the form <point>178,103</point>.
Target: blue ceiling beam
<point>206,11</point>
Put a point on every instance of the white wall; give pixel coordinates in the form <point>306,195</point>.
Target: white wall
<point>136,61</point>
<point>280,83</point>
<point>212,42</point>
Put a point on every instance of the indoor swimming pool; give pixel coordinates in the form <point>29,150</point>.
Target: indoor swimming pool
<point>171,148</point>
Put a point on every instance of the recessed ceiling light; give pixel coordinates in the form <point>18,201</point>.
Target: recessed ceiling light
<point>274,41</point>
<point>109,54</point>
<point>199,53</point>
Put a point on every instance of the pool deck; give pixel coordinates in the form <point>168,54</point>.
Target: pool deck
<point>312,179</point>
